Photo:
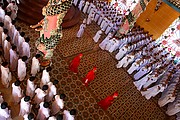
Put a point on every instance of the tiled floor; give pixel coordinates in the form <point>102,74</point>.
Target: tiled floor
<point>129,105</point>
<point>159,20</point>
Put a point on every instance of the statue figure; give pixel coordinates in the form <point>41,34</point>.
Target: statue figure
<point>50,27</point>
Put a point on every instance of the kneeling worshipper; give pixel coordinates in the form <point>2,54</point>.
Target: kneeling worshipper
<point>43,112</point>
<point>5,74</point>
<point>57,104</point>
<point>103,44</point>
<point>6,48</point>
<point>40,95</point>
<point>89,77</point>
<point>25,106</point>
<point>5,113</point>
<point>35,67</point>
<point>107,102</point>
<point>45,76</point>
<point>13,58</point>
<point>75,63</point>
<point>51,90</point>
<point>81,30</point>
<point>97,36</point>
<point>22,68</point>
<point>69,115</point>
<point>17,92</point>
<point>30,89</point>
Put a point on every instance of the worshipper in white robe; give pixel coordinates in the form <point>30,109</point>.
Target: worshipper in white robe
<point>103,44</point>
<point>22,68</point>
<point>7,20</point>
<point>86,7</point>
<point>1,31</point>
<point>126,60</point>
<point>69,115</point>
<point>13,8</point>
<point>6,48</point>
<point>25,106</point>
<point>5,113</point>
<point>35,67</point>
<point>16,36</point>
<point>121,52</point>
<point>43,112</point>
<point>19,43</point>
<point>30,89</point>
<point>40,94</point>
<point>2,13</point>
<point>52,90</point>
<point>104,24</point>
<point>97,15</point>
<point>57,104</point>
<point>5,74</point>
<point>109,27</point>
<point>170,97</point>
<point>144,70</point>
<point>134,66</point>
<point>153,91</point>
<point>25,47</point>
<point>81,4</point>
<point>101,18</point>
<point>45,76</point>
<point>81,30</point>
<point>97,36</point>
<point>29,116</point>
<point>12,29</point>
<point>173,108</point>
<point>4,36</point>
<point>13,58</point>
<point>115,45</point>
<point>17,92</point>
<point>90,18</point>
<point>151,79</point>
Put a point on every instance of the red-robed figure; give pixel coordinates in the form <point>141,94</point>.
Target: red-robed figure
<point>75,63</point>
<point>105,103</point>
<point>89,77</point>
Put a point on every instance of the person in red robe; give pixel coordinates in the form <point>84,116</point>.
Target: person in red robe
<point>75,63</point>
<point>105,103</point>
<point>89,77</point>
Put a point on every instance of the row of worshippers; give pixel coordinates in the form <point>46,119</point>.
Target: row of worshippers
<point>105,15</point>
<point>11,9</point>
<point>41,95</point>
<point>152,66</point>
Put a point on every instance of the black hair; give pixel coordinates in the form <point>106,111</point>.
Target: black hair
<point>62,96</point>
<point>8,38</point>
<point>27,98</point>
<point>8,13</point>
<point>18,28</point>
<point>37,56</point>
<point>73,112</point>
<point>14,47</point>
<point>32,78</point>
<point>22,34</point>
<point>0,53</point>
<point>4,64</point>
<point>45,87</point>
<point>48,69</point>
<point>24,58</point>
<point>17,83</point>
<point>46,104</point>
<point>27,39</point>
<point>59,117</point>
<point>55,82</point>
<point>13,22</point>
<point>1,24</point>
<point>4,105</point>
<point>30,116</point>
<point>5,30</point>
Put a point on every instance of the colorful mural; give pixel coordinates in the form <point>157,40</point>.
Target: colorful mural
<point>50,27</point>
<point>171,39</point>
